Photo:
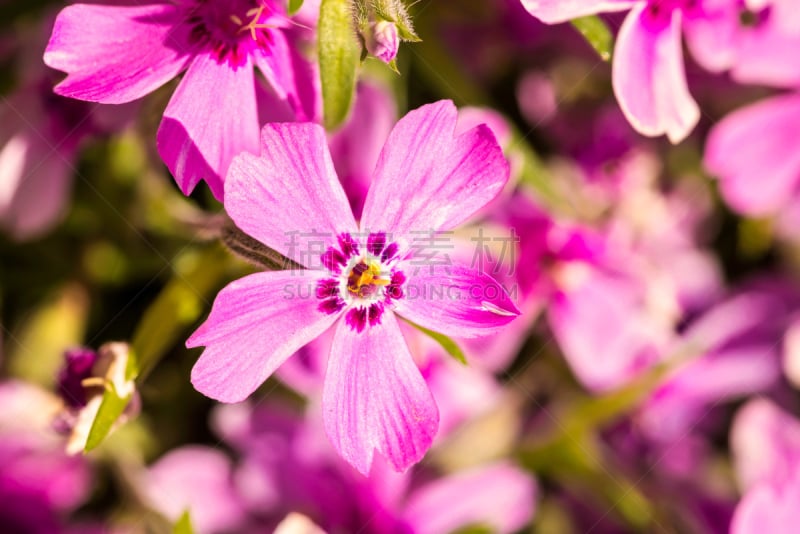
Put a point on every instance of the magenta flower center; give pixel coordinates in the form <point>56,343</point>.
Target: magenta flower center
<point>232,30</point>
<point>363,283</point>
<point>659,12</point>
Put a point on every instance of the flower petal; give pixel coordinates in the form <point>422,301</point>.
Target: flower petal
<point>753,151</point>
<point>176,483</point>
<point>500,497</point>
<point>605,330</point>
<point>429,179</point>
<point>713,30</point>
<point>769,508</point>
<point>256,323</point>
<point>35,182</point>
<point>291,77</point>
<point>375,398</point>
<point>649,79</point>
<point>211,118</point>
<point>454,300</point>
<point>765,442</point>
<point>289,197</point>
<point>115,54</point>
<point>555,11</point>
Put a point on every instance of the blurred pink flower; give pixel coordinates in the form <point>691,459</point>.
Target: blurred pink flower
<point>648,69</point>
<point>288,465</point>
<point>118,53</point>
<point>765,441</point>
<point>753,152</point>
<point>40,138</point>
<point>39,483</point>
<point>374,397</point>
<point>734,349</point>
<point>198,479</point>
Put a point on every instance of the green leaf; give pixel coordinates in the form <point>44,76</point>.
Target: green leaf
<point>111,407</point>
<point>596,33</point>
<point>183,525</point>
<point>450,346</point>
<point>339,53</point>
<point>294,6</point>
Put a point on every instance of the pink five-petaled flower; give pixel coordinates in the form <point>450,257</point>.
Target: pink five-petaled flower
<point>426,180</point>
<point>118,53</point>
<point>648,74</point>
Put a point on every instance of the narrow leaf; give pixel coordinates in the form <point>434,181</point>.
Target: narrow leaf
<point>596,33</point>
<point>294,6</point>
<point>450,346</point>
<point>339,53</point>
<point>111,407</point>
<point>183,525</point>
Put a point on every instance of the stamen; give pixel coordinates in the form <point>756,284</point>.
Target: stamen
<point>253,25</point>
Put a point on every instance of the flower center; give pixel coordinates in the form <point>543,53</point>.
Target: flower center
<point>362,283</point>
<point>659,12</point>
<point>234,29</point>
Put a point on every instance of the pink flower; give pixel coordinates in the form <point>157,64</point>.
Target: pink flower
<point>359,276</point>
<point>648,72</point>
<point>765,441</point>
<point>753,152</point>
<point>119,53</point>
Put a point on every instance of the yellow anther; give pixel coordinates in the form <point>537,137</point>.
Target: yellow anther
<point>236,20</point>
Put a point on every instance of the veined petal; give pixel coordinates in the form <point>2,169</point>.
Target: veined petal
<point>649,79</point>
<point>753,152</point>
<point>115,54</point>
<point>499,496</point>
<point>255,324</point>
<point>289,197</point>
<point>429,179</point>
<point>211,118</point>
<point>555,11</point>
<point>375,398</point>
<point>454,300</point>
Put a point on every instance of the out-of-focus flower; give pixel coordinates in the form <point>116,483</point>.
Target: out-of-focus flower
<point>374,397</point>
<point>734,350</point>
<point>40,136</point>
<point>39,483</point>
<point>648,73</point>
<point>765,441</point>
<point>288,466</point>
<point>753,152</point>
<point>81,383</point>
<point>197,479</point>
<point>603,316</point>
<point>119,53</point>
<point>758,43</point>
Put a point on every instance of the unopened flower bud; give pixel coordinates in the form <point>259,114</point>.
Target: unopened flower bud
<point>383,40</point>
